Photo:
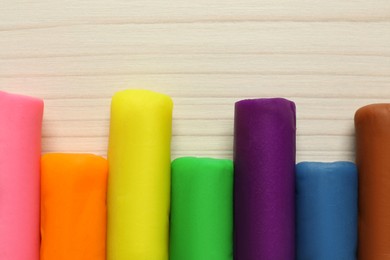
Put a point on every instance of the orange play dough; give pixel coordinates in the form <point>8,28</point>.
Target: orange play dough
<point>73,207</point>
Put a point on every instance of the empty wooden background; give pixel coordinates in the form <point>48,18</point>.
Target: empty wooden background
<point>329,56</point>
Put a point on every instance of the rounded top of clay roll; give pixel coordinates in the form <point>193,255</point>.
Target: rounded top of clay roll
<point>17,98</point>
<point>274,103</point>
<point>277,107</point>
<point>325,167</point>
<point>142,97</point>
<point>73,155</point>
<point>205,161</point>
<point>76,159</point>
<point>373,112</point>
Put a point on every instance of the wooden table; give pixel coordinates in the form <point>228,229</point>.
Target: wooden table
<point>330,57</point>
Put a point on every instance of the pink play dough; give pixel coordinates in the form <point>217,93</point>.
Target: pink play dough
<point>20,153</point>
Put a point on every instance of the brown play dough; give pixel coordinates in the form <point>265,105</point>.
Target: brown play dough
<point>372,124</point>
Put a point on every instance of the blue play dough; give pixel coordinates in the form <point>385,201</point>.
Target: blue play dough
<point>326,211</point>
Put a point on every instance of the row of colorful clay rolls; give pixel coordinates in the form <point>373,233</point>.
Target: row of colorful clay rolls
<point>266,190</point>
<point>139,176</point>
<point>20,151</point>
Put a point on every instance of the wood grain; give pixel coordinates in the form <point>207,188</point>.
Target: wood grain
<point>330,57</point>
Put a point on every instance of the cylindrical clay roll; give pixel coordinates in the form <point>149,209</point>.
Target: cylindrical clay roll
<point>20,153</point>
<point>73,207</point>
<point>326,205</point>
<point>372,126</point>
<point>139,179</point>
<point>202,209</point>
<point>264,195</point>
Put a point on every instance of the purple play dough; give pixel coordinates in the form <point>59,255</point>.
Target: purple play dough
<point>264,181</point>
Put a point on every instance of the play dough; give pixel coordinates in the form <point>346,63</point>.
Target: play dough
<point>139,179</point>
<point>264,196</point>
<point>202,209</point>
<point>372,125</point>
<point>20,153</point>
<point>326,203</point>
<point>73,207</point>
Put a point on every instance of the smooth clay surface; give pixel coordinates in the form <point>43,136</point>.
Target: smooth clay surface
<point>20,153</point>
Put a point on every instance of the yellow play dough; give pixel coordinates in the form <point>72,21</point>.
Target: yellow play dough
<point>139,176</point>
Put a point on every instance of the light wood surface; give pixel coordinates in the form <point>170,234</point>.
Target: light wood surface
<point>330,57</point>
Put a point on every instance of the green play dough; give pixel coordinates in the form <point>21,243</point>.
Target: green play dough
<point>201,209</point>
